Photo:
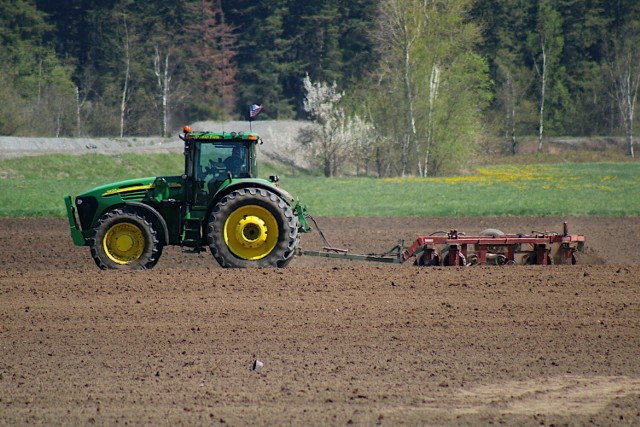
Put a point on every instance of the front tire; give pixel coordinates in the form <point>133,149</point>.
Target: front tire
<point>253,227</point>
<point>125,240</point>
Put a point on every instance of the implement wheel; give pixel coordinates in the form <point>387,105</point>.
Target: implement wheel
<point>125,240</point>
<point>493,232</point>
<point>253,227</point>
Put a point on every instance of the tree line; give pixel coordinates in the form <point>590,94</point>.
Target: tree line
<point>411,87</point>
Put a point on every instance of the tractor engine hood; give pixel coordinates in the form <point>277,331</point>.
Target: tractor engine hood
<point>130,189</point>
<point>91,203</point>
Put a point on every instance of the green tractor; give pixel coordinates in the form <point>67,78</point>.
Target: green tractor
<point>217,203</point>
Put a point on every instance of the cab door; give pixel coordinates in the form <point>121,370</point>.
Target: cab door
<point>217,162</point>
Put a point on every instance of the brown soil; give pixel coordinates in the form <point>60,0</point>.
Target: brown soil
<point>341,342</point>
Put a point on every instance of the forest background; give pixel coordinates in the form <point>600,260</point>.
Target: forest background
<point>395,87</point>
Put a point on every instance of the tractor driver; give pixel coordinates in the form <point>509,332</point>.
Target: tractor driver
<point>234,162</point>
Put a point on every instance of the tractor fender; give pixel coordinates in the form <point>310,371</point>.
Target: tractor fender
<point>156,215</point>
<point>284,195</point>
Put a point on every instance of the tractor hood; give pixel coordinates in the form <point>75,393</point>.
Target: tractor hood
<point>130,189</point>
<point>90,204</point>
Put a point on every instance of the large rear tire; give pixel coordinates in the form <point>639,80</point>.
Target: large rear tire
<point>253,227</point>
<point>125,240</point>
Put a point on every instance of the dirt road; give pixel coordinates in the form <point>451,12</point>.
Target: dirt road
<point>341,342</point>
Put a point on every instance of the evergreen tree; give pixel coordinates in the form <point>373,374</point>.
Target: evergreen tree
<point>505,26</point>
<point>262,54</point>
<point>64,66</point>
<point>214,50</point>
<point>279,41</point>
<point>39,83</point>
<point>584,29</point>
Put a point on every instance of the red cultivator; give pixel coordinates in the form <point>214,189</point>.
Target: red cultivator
<point>491,246</point>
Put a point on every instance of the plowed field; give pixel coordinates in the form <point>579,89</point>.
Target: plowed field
<point>342,342</point>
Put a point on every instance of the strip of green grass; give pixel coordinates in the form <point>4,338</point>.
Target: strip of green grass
<point>34,186</point>
<point>602,189</point>
<point>91,167</point>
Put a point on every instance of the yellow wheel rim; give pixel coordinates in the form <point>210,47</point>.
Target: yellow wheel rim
<point>251,232</point>
<point>123,243</point>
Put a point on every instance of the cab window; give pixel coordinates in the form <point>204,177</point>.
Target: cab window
<point>218,159</point>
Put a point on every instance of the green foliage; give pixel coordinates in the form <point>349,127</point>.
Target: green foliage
<point>432,77</point>
<point>464,97</point>
<point>11,113</point>
<point>578,97</point>
<point>280,41</point>
<point>64,69</point>
<point>263,68</point>
<point>37,92</point>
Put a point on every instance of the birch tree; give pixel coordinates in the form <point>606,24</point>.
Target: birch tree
<point>426,50</point>
<point>513,84</point>
<point>83,89</point>
<point>163,77</point>
<point>126,58</point>
<point>398,29</point>
<point>546,43</point>
<point>623,66</point>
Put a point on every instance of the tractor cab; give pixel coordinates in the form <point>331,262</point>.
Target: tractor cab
<point>216,158</point>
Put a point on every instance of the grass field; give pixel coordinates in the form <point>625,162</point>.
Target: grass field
<point>34,186</point>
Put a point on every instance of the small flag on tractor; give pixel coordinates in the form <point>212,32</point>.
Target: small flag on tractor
<point>254,110</point>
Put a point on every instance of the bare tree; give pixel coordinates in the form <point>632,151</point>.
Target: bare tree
<point>83,90</point>
<point>163,77</point>
<point>547,43</point>
<point>397,32</point>
<point>126,50</point>
<point>364,141</point>
<point>513,83</point>
<point>623,66</point>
